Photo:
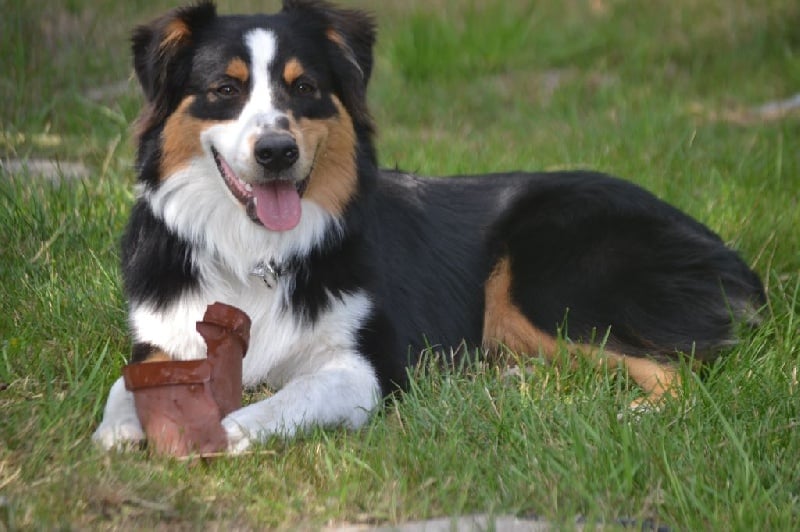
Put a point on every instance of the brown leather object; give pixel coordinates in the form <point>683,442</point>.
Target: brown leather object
<point>181,403</point>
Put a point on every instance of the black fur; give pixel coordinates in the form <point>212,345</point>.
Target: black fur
<point>594,252</point>
<point>588,252</point>
<point>156,264</point>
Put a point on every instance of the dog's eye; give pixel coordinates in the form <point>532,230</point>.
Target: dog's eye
<point>303,88</point>
<point>227,91</point>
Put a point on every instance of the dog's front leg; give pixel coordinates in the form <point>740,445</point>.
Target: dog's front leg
<point>341,393</point>
<point>120,426</point>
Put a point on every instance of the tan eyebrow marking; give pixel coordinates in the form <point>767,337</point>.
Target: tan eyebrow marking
<point>292,71</point>
<point>238,69</point>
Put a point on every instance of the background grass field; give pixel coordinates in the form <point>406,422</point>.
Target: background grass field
<point>672,95</point>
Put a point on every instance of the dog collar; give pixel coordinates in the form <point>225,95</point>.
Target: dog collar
<point>269,272</point>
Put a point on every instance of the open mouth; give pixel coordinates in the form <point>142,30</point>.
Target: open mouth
<point>274,204</point>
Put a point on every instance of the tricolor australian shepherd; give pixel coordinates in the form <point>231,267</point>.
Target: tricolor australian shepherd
<point>259,188</point>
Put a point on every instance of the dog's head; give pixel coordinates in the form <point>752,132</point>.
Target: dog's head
<point>275,103</point>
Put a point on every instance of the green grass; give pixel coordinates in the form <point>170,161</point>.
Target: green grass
<point>657,92</point>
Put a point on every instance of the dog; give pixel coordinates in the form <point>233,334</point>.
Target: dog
<point>260,188</point>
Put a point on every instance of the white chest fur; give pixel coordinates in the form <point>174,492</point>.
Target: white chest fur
<point>226,245</point>
<point>281,345</point>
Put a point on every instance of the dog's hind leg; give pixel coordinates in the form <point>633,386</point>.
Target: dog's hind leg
<point>506,326</point>
<point>656,379</point>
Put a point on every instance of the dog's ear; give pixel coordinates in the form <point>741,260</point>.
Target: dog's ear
<point>161,52</point>
<point>352,33</point>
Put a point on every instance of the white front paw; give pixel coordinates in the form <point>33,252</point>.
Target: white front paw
<point>119,436</point>
<point>120,428</point>
<point>239,439</point>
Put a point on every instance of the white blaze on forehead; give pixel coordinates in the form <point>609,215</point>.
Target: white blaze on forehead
<point>234,139</point>
<point>262,45</point>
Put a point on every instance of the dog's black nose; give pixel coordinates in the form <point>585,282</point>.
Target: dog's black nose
<point>276,151</point>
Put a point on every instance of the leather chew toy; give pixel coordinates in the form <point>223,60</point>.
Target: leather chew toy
<point>181,403</point>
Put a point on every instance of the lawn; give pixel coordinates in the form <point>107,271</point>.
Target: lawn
<point>681,97</point>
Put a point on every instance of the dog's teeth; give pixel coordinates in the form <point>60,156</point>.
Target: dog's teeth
<point>248,187</point>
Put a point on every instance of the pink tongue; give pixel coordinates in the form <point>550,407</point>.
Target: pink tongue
<point>277,205</point>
